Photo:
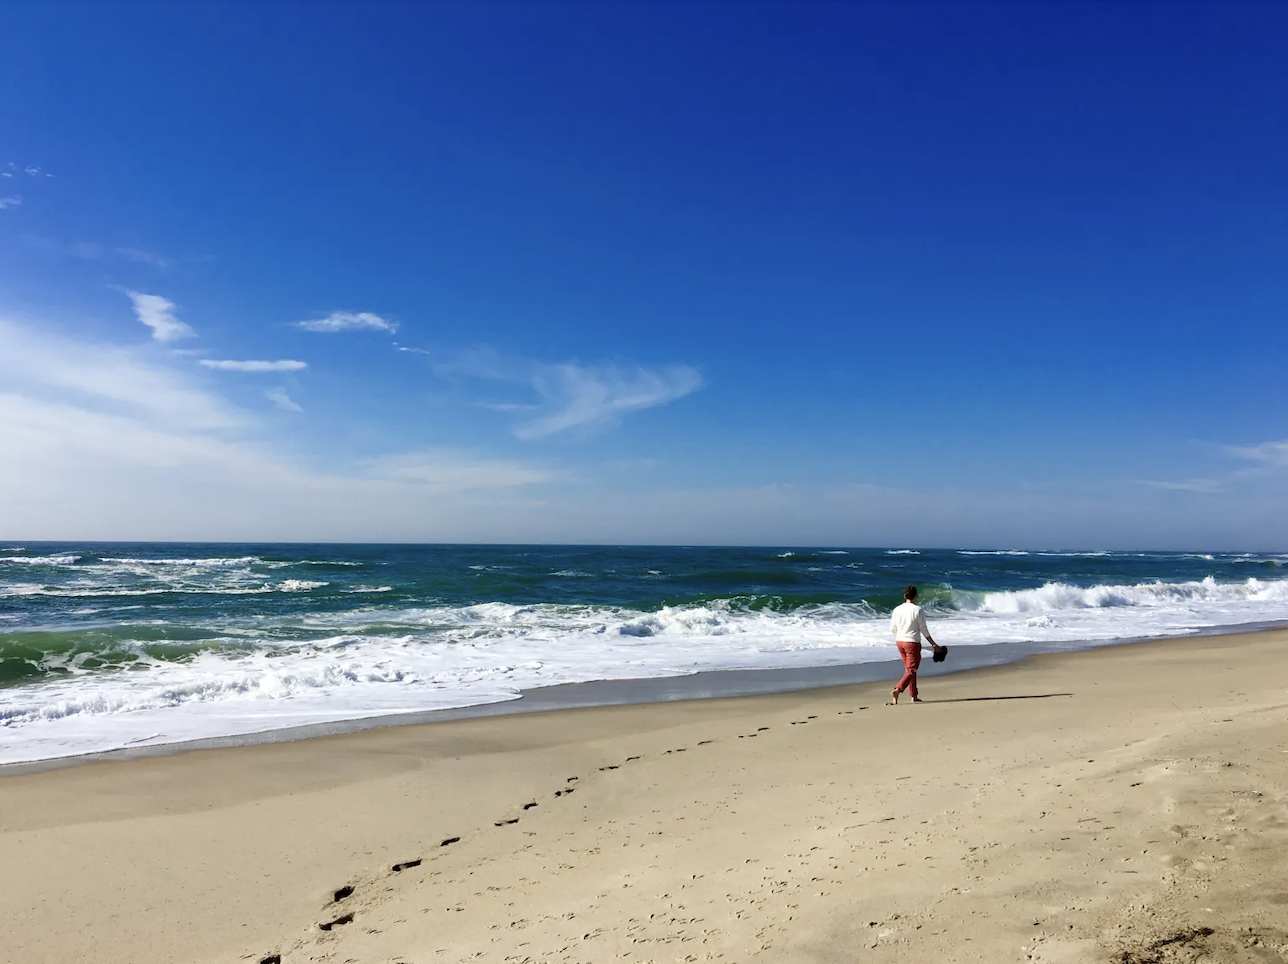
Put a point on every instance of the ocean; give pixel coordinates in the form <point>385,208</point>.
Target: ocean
<point>105,646</point>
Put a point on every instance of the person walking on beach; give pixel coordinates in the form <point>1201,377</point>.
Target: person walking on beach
<point>908,624</point>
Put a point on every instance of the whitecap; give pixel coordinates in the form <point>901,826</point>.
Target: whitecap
<point>299,585</point>
<point>62,559</point>
<point>210,562</point>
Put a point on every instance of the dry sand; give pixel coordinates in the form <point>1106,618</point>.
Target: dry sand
<point>1127,804</point>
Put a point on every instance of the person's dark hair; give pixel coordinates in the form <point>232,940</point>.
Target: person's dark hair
<point>910,593</point>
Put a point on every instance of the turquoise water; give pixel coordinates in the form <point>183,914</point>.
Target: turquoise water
<point>108,645</point>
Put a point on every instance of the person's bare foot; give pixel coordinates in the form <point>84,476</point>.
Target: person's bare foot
<point>894,698</point>
<point>916,699</point>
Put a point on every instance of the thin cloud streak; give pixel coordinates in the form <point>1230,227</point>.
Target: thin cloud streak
<point>1189,485</point>
<point>573,397</point>
<point>158,314</point>
<point>594,397</point>
<point>10,202</point>
<point>1270,453</point>
<point>284,365</point>
<point>1266,460</point>
<point>105,378</point>
<point>92,251</point>
<point>349,321</point>
<point>282,400</point>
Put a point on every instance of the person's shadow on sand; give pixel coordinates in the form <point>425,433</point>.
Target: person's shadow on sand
<point>977,699</point>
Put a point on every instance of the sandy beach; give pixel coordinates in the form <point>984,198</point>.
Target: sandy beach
<point>1126,804</point>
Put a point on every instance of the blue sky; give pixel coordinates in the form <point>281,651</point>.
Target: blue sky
<point>865,274</point>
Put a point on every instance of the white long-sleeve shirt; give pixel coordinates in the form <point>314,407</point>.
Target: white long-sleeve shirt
<point>907,623</point>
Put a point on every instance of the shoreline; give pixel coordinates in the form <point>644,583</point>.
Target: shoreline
<point>703,685</point>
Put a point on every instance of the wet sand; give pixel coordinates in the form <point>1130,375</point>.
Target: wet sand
<point>1124,804</point>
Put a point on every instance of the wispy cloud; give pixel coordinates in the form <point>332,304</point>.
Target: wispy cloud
<point>1262,461</point>
<point>591,397</point>
<point>1188,485</point>
<point>349,321</point>
<point>30,170</point>
<point>1267,453</point>
<point>106,379</point>
<point>158,314</point>
<point>92,251</point>
<point>174,460</point>
<point>570,396</point>
<point>284,365</point>
<point>10,202</point>
<point>596,396</point>
<point>282,400</point>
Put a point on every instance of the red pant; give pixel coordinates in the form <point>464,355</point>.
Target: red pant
<point>911,653</point>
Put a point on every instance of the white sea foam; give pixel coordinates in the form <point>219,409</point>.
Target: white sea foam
<point>213,561</point>
<point>62,559</point>
<point>902,552</point>
<point>16,589</point>
<point>1056,596</point>
<point>267,672</point>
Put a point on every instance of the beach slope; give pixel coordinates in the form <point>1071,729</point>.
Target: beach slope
<point>1127,804</point>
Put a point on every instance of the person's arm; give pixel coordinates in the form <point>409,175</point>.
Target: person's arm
<point>921,620</point>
